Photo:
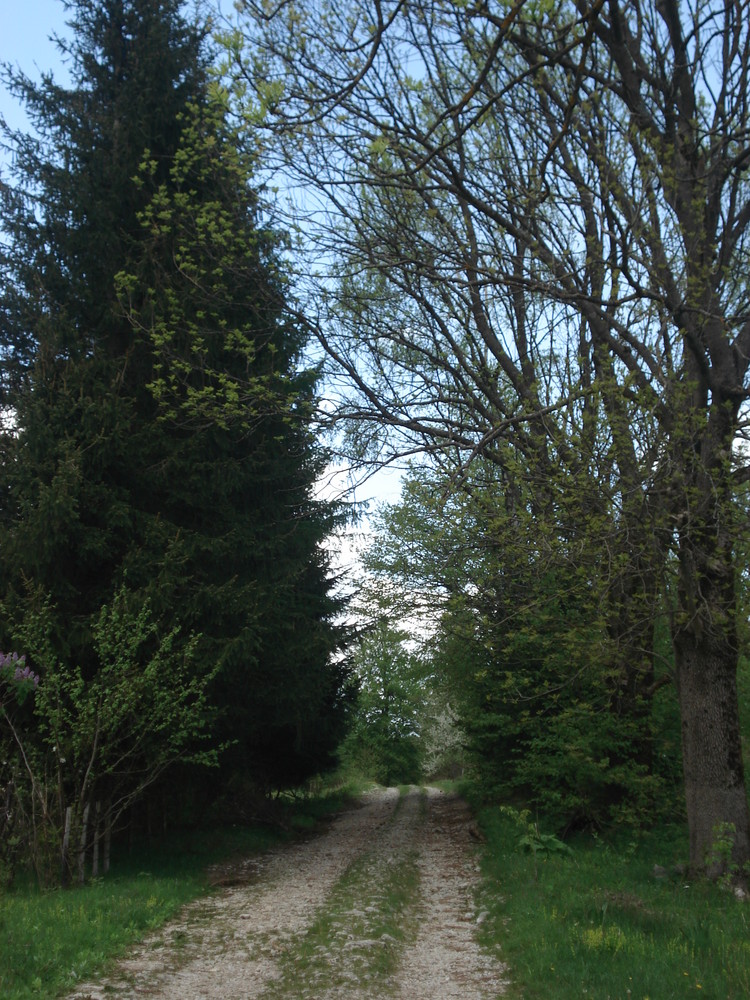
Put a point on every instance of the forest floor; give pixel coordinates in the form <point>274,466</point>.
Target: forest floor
<point>381,905</point>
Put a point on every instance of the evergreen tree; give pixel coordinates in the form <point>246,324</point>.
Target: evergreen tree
<point>162,432</point>
<point>519,636</point>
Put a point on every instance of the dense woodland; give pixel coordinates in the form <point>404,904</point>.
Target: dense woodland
<point>504,245</point>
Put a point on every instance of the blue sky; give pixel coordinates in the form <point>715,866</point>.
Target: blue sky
<point>25,27</point>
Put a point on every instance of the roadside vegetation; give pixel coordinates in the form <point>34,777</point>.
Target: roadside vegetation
<point>608,918</point>
<point>53,939</point>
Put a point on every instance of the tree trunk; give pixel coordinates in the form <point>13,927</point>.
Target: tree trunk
<point>711,751</point>
<point>65,851</point>
<point>95,850</point>
<point>107,838</point>
<point>706,657</point>
<point>82,845</point>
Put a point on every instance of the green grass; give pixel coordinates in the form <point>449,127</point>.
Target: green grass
<point>596,924</point>
<point>52,940</point>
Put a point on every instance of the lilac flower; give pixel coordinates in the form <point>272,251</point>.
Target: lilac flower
<point>22,673</point>
<point>26,675</point>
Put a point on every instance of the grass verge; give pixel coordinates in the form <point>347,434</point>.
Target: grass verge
<point>54,939</point>
<point>598,924</point>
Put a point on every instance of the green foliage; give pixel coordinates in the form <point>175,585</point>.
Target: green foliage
<point>615,917</point>
<point>720,858</point>
<point>145,704</point>
<point>532,839</point>
<point>162,431</point>
<point>538,677</point>
<point>375,752</point>
<point>104,740</point>
<point>207,289</point>
<point>18,683</point>
<point>82,464</point>
<point>743,686</point>
<point>385,739</point>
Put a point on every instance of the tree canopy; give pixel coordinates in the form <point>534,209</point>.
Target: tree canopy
<point>531,229</point>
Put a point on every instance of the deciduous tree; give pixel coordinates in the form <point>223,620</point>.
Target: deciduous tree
<point>536,219</point>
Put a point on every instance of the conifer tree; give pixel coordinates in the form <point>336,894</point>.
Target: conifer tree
<point>161,430</point>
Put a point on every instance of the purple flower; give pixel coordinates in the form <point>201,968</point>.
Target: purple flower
<point>10,659</point>
<point>22,673</point>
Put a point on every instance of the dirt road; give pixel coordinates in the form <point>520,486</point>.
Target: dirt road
<point>379,906</point>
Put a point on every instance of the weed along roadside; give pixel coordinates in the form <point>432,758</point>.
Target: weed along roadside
<point>608,918</point>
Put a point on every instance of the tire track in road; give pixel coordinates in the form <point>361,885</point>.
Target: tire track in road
<point>445,961</point>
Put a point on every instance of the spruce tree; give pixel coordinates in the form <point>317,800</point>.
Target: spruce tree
<point>161,430</point>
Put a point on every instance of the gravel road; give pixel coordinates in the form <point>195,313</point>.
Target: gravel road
<point>381,905</point>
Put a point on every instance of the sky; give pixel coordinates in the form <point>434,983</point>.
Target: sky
<point>25,29</point>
